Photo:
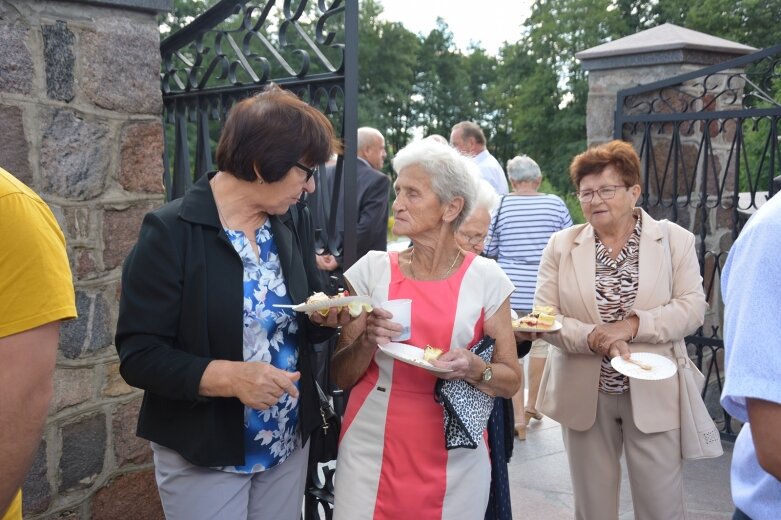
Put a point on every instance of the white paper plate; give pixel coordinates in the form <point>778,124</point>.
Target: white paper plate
<point>556,326</point>
<point>410,355</point>
<point>661,367</point>
<point>326,304</point>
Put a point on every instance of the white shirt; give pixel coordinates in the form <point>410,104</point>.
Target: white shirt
<point>491,171</point>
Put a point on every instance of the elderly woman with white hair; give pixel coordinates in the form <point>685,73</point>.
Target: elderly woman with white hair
<point>520,230</point>
<point>470,236</point>
<point>393,461</point>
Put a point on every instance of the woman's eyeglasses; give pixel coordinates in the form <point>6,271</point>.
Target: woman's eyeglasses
<point>473,240</point>
<point>309,171</point>
<point>605,193</point>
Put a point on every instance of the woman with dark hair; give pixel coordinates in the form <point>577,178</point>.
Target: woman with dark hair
<point>229,393</point>
<point>607,283</point>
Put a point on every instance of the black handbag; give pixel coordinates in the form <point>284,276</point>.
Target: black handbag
<point>467,409</point>
<point>324,440</point>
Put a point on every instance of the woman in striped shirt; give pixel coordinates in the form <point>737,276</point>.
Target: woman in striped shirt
<point>519,232</point>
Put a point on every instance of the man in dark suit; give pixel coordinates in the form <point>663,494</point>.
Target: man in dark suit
<point>372,202</point>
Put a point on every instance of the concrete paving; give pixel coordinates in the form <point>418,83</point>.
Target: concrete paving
<point>540,485</point>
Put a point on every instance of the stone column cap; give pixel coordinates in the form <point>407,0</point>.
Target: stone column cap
<point>666,43</point>
<point>136,5</point>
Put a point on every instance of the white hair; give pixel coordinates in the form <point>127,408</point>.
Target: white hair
<point>522,168</point>
<point>449,172</point>
<point>487,198</point>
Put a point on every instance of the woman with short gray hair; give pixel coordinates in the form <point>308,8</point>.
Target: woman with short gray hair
<point>519,232</point>
<point>448,172</point>
<point>393,459</point>
<point>523,168</point>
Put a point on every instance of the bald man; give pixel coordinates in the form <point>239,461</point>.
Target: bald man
<point>371,196</point>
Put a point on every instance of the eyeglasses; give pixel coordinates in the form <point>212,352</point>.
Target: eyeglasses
<point>605,193</point>
<point>473,240</point>
<point>309,171</point>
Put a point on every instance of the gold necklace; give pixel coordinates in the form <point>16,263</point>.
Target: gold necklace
<point>624,238</point>
<point>447,273</point>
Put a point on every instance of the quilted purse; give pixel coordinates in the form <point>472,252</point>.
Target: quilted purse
<point>467,409</point>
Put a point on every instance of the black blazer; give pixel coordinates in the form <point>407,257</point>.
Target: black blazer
<point>372,202</point>
<point>182,306</point>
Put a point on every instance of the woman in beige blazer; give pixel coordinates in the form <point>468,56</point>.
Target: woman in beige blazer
<point>609,283</point>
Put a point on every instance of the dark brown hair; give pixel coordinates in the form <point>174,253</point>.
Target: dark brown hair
<point>618,154</point>
<point>271,131</point>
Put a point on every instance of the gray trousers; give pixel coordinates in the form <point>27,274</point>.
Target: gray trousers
<point>653,461</point>
<point>191,492</point>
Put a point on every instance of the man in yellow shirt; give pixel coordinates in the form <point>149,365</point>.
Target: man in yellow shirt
<point>36,293</point>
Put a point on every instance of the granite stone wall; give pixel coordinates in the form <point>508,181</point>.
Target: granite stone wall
<point>80,120</point>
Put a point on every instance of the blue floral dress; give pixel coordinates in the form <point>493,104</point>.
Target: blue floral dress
<point>270,436</point>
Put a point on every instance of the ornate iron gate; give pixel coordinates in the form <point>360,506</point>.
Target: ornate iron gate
<point>709,146</point>
<point>233,50</point>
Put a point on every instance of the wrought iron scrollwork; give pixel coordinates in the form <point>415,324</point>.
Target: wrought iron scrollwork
<point>241,43</point>
<point>709,147</point>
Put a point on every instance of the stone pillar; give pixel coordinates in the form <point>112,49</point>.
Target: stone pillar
<point>80,116</point>
<point>652,55</point>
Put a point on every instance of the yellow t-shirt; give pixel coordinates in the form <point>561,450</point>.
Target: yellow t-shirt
<point>14,511</point>
<point>36,286</point>
<point>35,279</point>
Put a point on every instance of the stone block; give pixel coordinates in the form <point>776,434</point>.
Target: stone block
<point>663,181</point>
<point>115,385</point>
<point>91,331</point>
<point>83,452</point>
<point>72,386</point>
<point>120,233</point>
<point>133,495</point>
<point>36,491</point>
<point>141,162</point>
<point>58,55</point>
<point>75,155</point>
<point>726,241</point>
<point>84,264</point>
<point>128,448</point>
<point>13,146</point>
<point>120,62</point>
<point>77,223</point>
<point>600,117</point>
<point>16,62</point>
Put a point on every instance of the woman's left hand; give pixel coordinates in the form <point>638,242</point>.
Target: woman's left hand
<point>463,363</point>
<point>606,337</point>
<point>333,319</point>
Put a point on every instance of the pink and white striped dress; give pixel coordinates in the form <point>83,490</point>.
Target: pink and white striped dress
<point>392,460</point>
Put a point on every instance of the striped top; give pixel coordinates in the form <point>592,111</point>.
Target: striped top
<point>518,233</point>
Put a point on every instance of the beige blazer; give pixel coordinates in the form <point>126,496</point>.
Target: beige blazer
<point>668,311</point>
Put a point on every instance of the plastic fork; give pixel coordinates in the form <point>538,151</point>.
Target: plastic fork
<point>640,364</point>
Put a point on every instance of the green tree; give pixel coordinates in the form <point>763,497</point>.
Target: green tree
<point>386,67</point>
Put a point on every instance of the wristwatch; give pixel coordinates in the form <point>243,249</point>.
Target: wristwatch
<point>488,373</point>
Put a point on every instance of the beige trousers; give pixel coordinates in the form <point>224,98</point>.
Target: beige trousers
<point>653,461</point>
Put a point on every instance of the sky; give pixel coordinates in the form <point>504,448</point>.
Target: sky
<point>491,22</point>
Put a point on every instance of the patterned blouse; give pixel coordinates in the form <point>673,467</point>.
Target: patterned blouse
<point>270,436</point>
<point>616,288</point>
